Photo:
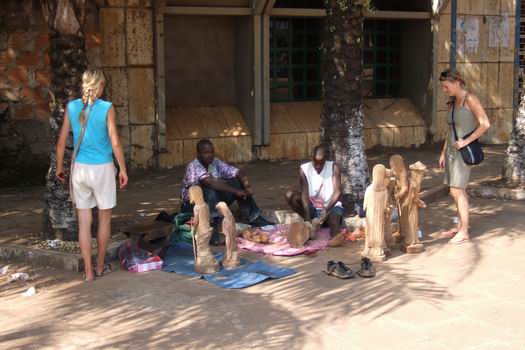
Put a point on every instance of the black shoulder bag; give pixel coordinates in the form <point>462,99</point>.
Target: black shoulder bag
<point>472,153</point>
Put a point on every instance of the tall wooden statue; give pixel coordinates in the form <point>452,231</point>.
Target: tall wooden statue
<point>231,256</point>
<point>375,205</point>
<point>412,204</point>
<point>390,184</point>
<point>399,170</point>
<point>205,262</point>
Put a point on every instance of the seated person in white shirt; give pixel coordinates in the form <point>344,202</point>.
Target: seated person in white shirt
<point>320,194</point>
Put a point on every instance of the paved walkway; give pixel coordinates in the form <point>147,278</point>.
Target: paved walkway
<point>470,296</point>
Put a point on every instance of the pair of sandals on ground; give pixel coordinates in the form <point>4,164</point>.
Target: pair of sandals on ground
<point>340,270</point>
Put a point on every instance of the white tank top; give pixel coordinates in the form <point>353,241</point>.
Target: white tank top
<point>320,185</point>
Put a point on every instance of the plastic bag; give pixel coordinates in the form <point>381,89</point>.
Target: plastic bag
<point>135,259</point>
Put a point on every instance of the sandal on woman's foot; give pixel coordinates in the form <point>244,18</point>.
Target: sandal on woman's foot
<point>107,269</point>
<point>449,234</point>
<point>460,240</point>
<point>86,279</point>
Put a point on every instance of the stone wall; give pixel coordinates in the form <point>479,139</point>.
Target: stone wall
<point>127,60</point>
<point>485,57</point>
<point>24,90</point>
<point>119,39</point>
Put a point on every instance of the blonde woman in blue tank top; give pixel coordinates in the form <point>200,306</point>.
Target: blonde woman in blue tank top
<point>93,176</point>
<point>469,116</point>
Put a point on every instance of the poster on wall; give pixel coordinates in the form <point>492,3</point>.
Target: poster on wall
<point>467,30</point>
<point>499,31</point>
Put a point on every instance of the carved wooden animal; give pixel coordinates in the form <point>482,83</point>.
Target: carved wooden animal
<point>205,262</point>
<point>412,204</point>
<point>231,255</point>
<point>399,170</point>
<point>375,204</point>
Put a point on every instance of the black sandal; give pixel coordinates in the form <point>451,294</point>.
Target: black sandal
<point>108,268</point>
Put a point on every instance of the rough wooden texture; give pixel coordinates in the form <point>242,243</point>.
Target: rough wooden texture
<point>489,95</point>
<point>231,256</point>
<point>205,262</point>
<point>390,184</point>
<point>514,165</point>
<point>141,90</point>
<point>174,154</point>
<point>139,36</point>
<point>375,203</point>
<point>506,53</point>
<point>224,126</point>
<point>399,171</point>
<point>113,36</point>
<point>117,86</point>
<point>298,233</point>
<point>142,145</point>
<point>412,203</point>
<point>444,39</point>
<point>506,85</point>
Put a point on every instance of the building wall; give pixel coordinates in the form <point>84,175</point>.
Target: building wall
<point>24,90</point>
<point>245,72</point>
<point>486,62</point>
<point>127,59</point>
<point>200,60</point>
<point>416,60</point>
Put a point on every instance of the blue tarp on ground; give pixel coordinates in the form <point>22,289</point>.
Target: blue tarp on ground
<point>179,259</point>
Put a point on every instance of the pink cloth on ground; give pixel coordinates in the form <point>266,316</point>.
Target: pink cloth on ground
<point>278,244</point>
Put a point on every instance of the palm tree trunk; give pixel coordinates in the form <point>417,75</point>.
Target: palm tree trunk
<point>342,129</point>
<point>514,166</point>
<point>68,60</point>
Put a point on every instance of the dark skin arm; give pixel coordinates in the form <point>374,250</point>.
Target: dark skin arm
<point>336,180</point>
<point>243,179</point>
<point>305,198</point>
<point>221,185</point>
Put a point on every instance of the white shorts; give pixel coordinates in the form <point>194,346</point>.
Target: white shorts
<point>94,186</point>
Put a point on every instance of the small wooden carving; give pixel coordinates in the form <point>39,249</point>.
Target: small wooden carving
<point>399,170</point>
<point>205,262</point>
<point>298,233</point>
<point>412,204</point>
<point>256,235</point>
<point>375,205</point>
<point>231,256</point>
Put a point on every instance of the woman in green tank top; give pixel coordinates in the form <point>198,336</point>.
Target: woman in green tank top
<point>469,116</point>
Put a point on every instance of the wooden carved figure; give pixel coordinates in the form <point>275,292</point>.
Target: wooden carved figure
<point>413,203</point>
<point>231,256</point>
<point>390,184</point>
<point>205,262</point>
<point>298,233</point>
<point>399,170</point>
<point>375,205</point>
<point>255,234</point>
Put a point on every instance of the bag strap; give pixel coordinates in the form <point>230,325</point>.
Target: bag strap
<point>75,151</point>
<point>81,136</point>
<point>454,123</point>
<point>465,99</point>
